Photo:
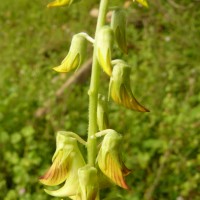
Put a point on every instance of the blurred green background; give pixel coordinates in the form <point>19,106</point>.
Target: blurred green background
<point>161,147</point>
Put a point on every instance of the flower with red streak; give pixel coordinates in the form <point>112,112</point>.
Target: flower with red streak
<point>120,88</point>
<point>66,161</point>
<point>109,159</point>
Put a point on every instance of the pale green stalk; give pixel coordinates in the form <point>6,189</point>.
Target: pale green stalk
<point>94,88</point>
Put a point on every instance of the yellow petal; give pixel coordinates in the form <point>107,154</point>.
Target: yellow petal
<point>129,101</point>
<point>112,169</point>
<point>59,3</point>
<point>68,189</point>
<point>57,173</point>
<point>69,63</point>
<point>109,159</point>
<point>105,61</point>
<point>71,185</point>
<point>142,2</point>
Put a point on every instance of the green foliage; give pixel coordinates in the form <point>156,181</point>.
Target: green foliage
<point>162,147</point>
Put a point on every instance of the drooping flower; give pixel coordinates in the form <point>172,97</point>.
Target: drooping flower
<point>102,117</point>
<point>120,89</point>
<point>58,171</point>
<point>75,56</point>
<point>142,2</point>
<point>118,24</point>
<point>66,162</point>
<point>109,159</point>
<point>104,42</point>
<point>58,3</point>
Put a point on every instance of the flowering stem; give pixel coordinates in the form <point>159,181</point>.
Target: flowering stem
<point>93,90</point>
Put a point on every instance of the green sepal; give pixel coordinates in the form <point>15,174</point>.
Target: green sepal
<point>102,113</point>
<point>142,2</point>
<point>58,3</point>
<point>88,181</point>
<point>118,24</point>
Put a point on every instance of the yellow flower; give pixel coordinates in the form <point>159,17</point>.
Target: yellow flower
<point>104,42</point>
<point>142,2</point>
<point>76,55</point>
<point>109,159</point>
<point>58,171</point>
<point>57,3</point>
<point>66,162</point>
<point>120,89</point>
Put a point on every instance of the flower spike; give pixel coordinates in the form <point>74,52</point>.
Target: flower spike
<point>120,89</point>
<point>104,42</point>
<point>58,3</point>
<point>109,159</point>
<point>118,24</point>
<point>75,56</point>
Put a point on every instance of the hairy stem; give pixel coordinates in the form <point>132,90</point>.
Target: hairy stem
<point>94,87</point>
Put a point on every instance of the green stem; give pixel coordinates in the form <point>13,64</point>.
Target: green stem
<point>94,88</point>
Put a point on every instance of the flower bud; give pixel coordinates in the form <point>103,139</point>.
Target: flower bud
<point>109,159</point>
<point>75,56</point>
<point>58,3</point>
<point>66,161</point>
<point>102,117</point>
<point>104,42</point>
<point>118,24</point>
<point>142,2</point>
<point>120,89</point>
<point>88,182</point>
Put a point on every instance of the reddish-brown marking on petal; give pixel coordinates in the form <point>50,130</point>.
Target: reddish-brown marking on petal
<point>56,174</point>
<point>114,172</point>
